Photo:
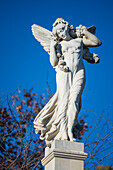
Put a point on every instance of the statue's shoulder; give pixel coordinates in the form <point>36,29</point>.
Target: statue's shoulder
<point>63,43</point>
<point>76,41</point>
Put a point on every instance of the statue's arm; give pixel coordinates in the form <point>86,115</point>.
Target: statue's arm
<point>89,39</point>
<point>53,55</point>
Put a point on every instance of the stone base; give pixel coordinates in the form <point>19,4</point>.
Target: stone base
<point>64,155</point>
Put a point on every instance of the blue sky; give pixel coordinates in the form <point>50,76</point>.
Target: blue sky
<point>24,62</point>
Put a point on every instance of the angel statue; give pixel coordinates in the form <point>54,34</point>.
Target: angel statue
<point>67,48</point>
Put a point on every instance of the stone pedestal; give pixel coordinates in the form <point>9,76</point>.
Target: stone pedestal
<point>64,155</point>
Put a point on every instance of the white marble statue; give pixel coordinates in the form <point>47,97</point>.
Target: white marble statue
<point>67,48</point>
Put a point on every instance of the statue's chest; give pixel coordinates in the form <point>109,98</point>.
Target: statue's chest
<point>73,46</point>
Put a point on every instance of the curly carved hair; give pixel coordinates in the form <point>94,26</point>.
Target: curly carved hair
<point>70,29</point>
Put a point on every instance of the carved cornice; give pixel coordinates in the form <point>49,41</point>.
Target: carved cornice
<point>56,153</point>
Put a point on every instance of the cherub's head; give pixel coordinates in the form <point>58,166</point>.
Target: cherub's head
<point>61,29</point>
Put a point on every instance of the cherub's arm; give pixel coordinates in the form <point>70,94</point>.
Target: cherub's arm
<point>53,55</point>
<point>89,39</point>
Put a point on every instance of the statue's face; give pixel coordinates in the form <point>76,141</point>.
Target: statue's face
<point>62,31</point>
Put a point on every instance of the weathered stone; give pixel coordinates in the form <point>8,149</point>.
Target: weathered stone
<point>67,49</point>
<point>64,155</point>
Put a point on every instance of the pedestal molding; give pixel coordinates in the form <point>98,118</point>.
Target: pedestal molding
<point>64,154</point>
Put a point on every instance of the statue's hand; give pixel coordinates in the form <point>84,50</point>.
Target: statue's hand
<point>54,42</point>
<point>83,29</point>
<point>80,31</point>
<point>62,62</point>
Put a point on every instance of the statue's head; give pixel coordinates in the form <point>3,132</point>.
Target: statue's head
<point>59,21</point>
<point>61,29</point>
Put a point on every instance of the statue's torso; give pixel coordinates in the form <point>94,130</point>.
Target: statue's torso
<point>72,51</point>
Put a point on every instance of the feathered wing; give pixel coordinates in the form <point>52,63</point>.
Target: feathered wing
<point>43,35</point>
<point>92,29</point>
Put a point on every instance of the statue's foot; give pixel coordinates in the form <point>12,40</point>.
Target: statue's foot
<point>62,136</point>
<point>71,138</point>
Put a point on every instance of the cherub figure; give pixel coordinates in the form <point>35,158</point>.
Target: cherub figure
<point>67,48</point>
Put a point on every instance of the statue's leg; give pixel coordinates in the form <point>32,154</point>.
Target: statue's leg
<point>63,97</point>
<point>72,115</point>
<point>74,100</point>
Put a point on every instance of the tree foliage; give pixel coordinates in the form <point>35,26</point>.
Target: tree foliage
<point>99,141</point>
<point>21,148</point>
<point>104,168</point>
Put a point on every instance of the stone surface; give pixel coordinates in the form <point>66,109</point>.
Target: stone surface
<point>64,155</point>
<point>67,48</point>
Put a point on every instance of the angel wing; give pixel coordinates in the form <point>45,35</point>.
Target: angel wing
<point>43,35</point>
<point>92,29</point>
